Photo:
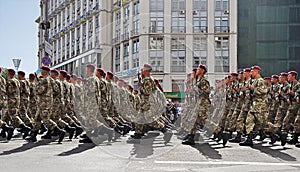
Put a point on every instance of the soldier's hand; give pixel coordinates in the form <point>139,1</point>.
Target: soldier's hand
<point>277,99</point>
<point>139,84</point>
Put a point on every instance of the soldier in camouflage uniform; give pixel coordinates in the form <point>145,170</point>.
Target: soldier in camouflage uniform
<point>91,96</point>
<point>57,106</point>
<point>293,107</point>
<point>280,97</point>
<point>257,114</point>
<point>275,86</point>
<point>220,128</point>
<point>67,108</point>
<point>296,130</point>
<point>146,88</point>
<point>13,103</point>
<point>44,91</point>
<point>244,93</point>
<point>3,106</point>
<point>203,90</point>
<point>32,109</point>
<point>24,101</point>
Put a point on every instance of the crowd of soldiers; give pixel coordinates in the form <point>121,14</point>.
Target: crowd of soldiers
<point>58,103</point>
<point>256,106</point>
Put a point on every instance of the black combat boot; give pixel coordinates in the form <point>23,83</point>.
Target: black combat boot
<point>43,129</point>
<point>273,138</point>
<point>262,135</point>
<point>294,140</point>
<point>237,139</point>
<point>79,129</point>
<point>225,137</point>
<point>70,130</point>
<point>9,130</point>
<point>61,133</point>
<point>248,141</point>
<point>24,129</point>
<point>32,137</point>
<point>47,135</point>
<point>283,137</point>
<point>28,133</point>
<point>189,141</point>
<point>136,138</point>
<point>119,129</point>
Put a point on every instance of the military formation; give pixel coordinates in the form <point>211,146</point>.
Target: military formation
<point>58,105</point>
<point>257,108</point>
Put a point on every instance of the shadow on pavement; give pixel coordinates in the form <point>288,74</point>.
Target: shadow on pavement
<point>81,148</point>
<point>144,148</point>
<point>274,153</point>
<point>206,150</point>
<point>27,146</point>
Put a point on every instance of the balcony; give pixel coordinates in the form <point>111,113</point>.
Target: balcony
<point>222,29</point>
<point>200,29</point>
<point>125,36</point>
<point>134,33</point>
<point>156,29</point>
<point>177,68</point>
<point>157,68</point>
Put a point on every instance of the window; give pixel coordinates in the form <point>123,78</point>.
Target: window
<point>126,56</point>
<point>156,59</point>
<point>178,54</point>
<point>221,16</point>
<point>156,5</point>
<point>156,43</point>
<point>135,51</point>
<point>117,59</point>
<point>200,16</point>
<point>178,16</point>
<point>136,8</point>
<point>200,51</point>
<point>178,43</point>
<point>221,54</point>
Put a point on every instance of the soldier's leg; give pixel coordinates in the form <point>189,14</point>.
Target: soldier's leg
<point>240,124</point>
<point>23,114</point>
<point>289,118</point>
<point>233,121</point>
<point>278,119</point>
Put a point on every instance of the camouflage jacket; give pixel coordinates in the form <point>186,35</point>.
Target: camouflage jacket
<point>13,93</point>
<point>24,90</point>
<point>3,96</point>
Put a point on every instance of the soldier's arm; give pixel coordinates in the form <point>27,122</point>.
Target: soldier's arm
<point>203,88</point>
<point>146,87</point>
<point>41,86</point>
<point>261,88</point>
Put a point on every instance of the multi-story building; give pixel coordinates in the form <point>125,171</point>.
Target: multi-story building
<point>269,35</point>
<point>174,36</point>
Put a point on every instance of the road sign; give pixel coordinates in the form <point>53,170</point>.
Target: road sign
<point>48,48</point>
<point>46,60</point>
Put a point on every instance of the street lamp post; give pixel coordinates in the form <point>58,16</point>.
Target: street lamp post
<point>17,63</point>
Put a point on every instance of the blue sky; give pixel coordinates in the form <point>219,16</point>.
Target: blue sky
<point>18,33</point>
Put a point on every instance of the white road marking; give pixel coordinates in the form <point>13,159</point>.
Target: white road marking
<point>227,163</point>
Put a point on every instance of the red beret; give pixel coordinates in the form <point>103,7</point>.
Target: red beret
<point>293,73</point>
<point>194,70</point>
<point>100,70</point>
<point>46,68</point>
<point>91,66</point>
<point>0,69</point>
<point>11,71</point>
<point>74,76</point>
<point>147,67</point>
<point>63,73</point>
<point>267,77</point>
<point>55,71</point>
<point>136,91</point>
<point>256,68</point>
<point>22,73</point>
<point>275,76</point>
<point>234,74</point>
<point>202,66</point>
<point>241,72</point>
<point>284,74</point>
<point>247,70</point>
<point>110,73</point>
<point>130,87</point>
<point>31,76</point>
<point>68,76</point>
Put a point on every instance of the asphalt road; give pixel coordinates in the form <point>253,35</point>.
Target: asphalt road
<point>149,155</point>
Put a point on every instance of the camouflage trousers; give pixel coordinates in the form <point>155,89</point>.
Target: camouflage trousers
<point>297,123</point>
<point>23,112</point>
<point>222,121</point>
<point>201,117</point>
<point>241,120</point>
<point>32,110</point>
<point>71,115</point>
<point>12,115</point>
<point>155,124</point>
<point>56,115</point>
<point>272,115</point>
<point>290,116</point>
<point>256,121</point>
<point>43,114</point>
<point>281,112</point>
<point>231,122</point>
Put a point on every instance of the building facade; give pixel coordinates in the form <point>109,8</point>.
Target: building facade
<point>269,35</point>
<point>174,36</point>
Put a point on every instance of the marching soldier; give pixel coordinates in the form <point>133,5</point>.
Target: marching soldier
<point>275,87</point>
<point>24,101</point>
<point>258,110</point>
<point>32,97</point>
<point>3,106</point>
<point>203,90</point>
<point>45,93</point>
<point>293,106</point>
<point>13,96</point>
